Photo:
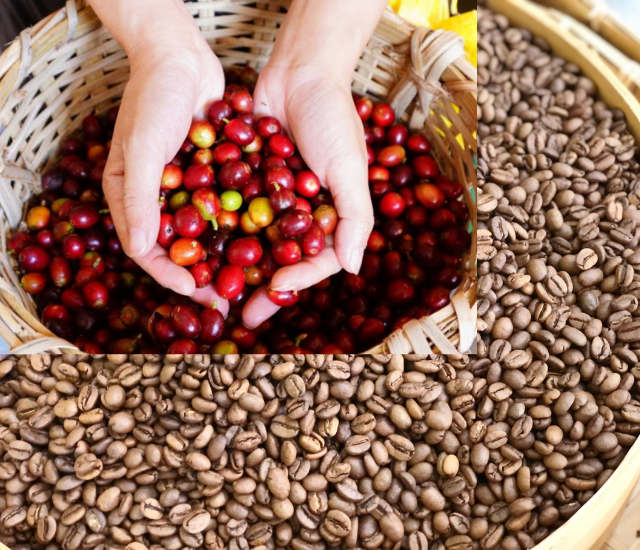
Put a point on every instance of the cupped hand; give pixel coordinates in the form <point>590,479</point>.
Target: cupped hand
<point>168,88</point>
<point>318,111</point>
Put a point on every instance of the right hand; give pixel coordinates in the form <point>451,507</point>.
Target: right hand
<point>309,100</point>
<point>168,88</point>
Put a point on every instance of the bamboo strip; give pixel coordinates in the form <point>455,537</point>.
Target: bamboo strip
<point>627,69</point>
<point>596,15</point>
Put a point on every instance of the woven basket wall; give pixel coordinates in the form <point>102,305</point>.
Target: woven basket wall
<point>68,65</point>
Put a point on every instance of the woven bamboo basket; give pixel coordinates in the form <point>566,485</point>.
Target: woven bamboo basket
<point>590,527</point>
<point>68,65</point>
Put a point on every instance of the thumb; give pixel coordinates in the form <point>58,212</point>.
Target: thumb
<point>142,173</point>
<point>153,121</point>
<point>133,207</point>
<point>338,154</point>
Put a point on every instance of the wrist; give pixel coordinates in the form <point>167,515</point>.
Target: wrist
<point>150,29</point>
<point>290,74</point>
<point>329,35</point>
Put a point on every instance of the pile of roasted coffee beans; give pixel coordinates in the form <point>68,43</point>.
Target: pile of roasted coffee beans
<point>303,452</point>
<point>237,203</point>
<point>559,280</point>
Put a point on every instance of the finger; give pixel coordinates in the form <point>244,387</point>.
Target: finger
<point>338,154</point>
<point>212,87</point>
<point>258,308</point>
<point>261,104</point>
<point>157,263</point>
<point>207,297</point>
<point>355,215</point>
<point>308,272</point>
<point>112,185</point>
<point>143,166</point>
<point>348,181</point>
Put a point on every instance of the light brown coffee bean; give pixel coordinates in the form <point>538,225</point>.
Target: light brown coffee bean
<point>586,259</point>
<point>109,499</point>
<point>357,445</point>
<point>339,370</point>
<point>418,541</point>
<point>196,521</point>
<point>284,427</point>
<point>399,447</point>
<point>151,509</point>
<point>337,523</point>
<point>12,516</point>
<point>87,466</point>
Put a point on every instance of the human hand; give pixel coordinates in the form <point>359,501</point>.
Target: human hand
<point>317,109</point>
<point>307,86</point>
<point>170,85</point>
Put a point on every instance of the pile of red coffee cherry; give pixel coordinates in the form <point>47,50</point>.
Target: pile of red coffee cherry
<point>238,202</point>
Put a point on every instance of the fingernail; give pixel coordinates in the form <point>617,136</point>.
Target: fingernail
<point>355,260</point>
<point>186,290</point>
<point>283,288</point>
<point>137,242</point>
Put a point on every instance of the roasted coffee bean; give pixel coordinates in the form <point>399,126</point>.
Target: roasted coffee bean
<point>73,514</point>
<point>12,516</point>
<point>87,466</point>
<point>284,427</point>
<point>418,541</point>
<point>337,523</point>
<point>339,370</point>
<point>196,521</point>
<point>151,509</point>
<point>357,445</point>
<point>399,447</point>
<point>46,529</point>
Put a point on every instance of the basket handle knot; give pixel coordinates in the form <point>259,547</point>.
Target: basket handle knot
<point>432,52</point>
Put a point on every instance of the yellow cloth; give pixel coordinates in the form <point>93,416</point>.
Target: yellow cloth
<point>466,25</point>
<point>422,13</point>
<point>436,15</point>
